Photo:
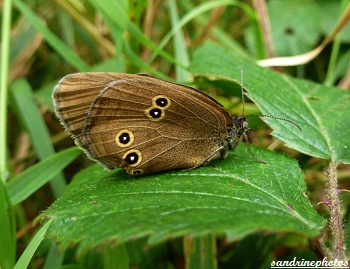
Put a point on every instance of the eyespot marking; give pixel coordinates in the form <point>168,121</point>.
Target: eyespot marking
<point>136,172</point>
<point>161,101</point>
<point>124,138</point>
<point>133,157</point>
<point>155,113</point>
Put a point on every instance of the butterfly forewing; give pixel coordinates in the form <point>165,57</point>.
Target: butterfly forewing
<point>74,95</point>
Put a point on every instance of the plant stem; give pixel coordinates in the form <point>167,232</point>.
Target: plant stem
<point>319,247</point>
<point>335,221</point>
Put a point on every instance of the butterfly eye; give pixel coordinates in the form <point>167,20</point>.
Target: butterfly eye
<point>161,101</point>
<point>133,157</point>
<point>124,138</point>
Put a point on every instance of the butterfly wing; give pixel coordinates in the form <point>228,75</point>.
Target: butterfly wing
<point>146,125</point>
<point>74,95</point>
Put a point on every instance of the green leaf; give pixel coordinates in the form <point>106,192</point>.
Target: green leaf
<point>29,181</point>
<point>322,112</point>
<point>291,35</point>
<point>233,197</point>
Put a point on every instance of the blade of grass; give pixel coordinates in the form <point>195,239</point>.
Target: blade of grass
<point>62,49</point>
<point>110,8</point>
<point>67,26</point>
<point>195,12</point>
<point>118,35</point>
<point>200,252</point>
<point>181,53</point>
<point>116,32</point>
<point>136,60</point>
<point>4,67</point>
<point>222,37</point>
<point>116,257</point>
<point>330,76</point>
<point>25,41</point>
<point>7,220</point>
<point>27,111</point>
<point>54,258</point>
<point>28,253</point>
<point>7,231</point>
<point>81,18</point>
<point>26,183</point>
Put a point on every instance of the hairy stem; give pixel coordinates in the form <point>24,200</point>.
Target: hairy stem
<point>319,247</point>
<point>335,221</point>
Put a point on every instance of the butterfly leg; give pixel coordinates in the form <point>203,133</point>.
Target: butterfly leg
<point>250,151</point>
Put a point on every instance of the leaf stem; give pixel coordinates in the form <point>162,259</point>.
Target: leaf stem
<point>335,221</point>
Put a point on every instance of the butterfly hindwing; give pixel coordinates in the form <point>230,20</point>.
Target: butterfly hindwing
<point>142,123</point>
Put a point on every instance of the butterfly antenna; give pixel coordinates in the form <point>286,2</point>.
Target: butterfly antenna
<point>277,118</point>
<point>242,89</point>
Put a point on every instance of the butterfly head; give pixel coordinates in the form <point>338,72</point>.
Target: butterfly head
<point>239,131</point>
<point>241,126</point>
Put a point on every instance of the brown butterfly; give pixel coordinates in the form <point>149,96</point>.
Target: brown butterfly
<point>145,124</point>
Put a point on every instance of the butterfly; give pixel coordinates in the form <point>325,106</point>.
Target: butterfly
<point>145,124</point>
